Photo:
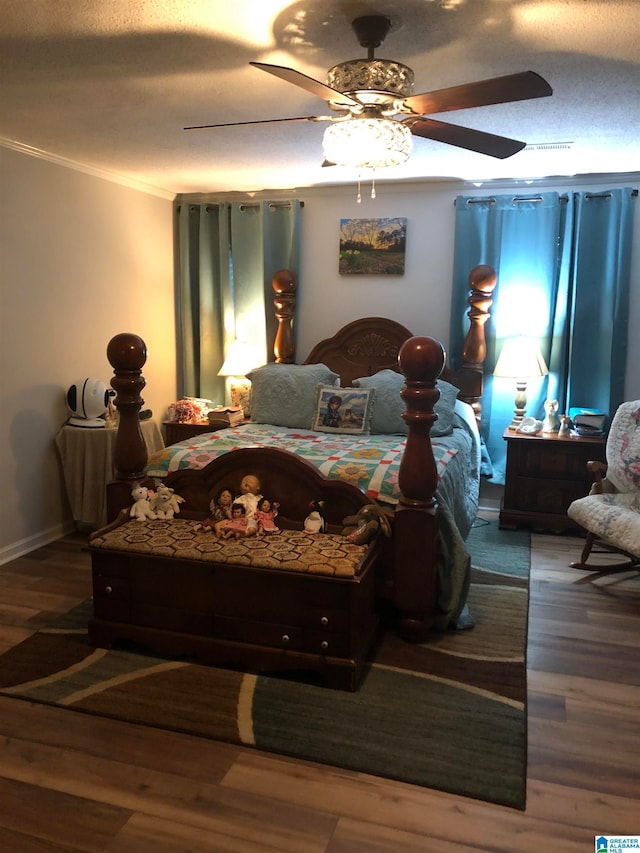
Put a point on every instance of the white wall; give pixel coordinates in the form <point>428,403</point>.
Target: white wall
<point>420,299</point>
<point>82,259</point>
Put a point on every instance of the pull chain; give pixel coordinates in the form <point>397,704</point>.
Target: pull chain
<point>373,188</point>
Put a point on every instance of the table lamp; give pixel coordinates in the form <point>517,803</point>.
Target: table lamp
<point>238,361</point>
<point>521,360</point>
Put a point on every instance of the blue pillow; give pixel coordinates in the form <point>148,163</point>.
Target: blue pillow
<point>285,394</point>
<point>444,408</point>
<point>388,406</point>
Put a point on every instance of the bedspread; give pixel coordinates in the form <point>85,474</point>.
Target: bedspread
<point>370,462</point>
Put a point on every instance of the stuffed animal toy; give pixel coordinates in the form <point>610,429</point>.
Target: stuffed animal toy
<point>366,524</point>
<point>165,503</point>
<point>141,509</point>
<point>314,522</point>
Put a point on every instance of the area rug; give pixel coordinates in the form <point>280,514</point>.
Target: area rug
<point>449,713</point>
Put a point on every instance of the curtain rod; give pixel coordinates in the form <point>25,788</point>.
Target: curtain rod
<point>273,205</point>
<point>515,200</point>
<point>589,196</point>
<point>487,200</point>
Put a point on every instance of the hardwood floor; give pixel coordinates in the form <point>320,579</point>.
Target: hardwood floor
<point>71,782</point>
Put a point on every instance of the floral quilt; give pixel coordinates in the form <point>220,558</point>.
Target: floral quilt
<point>371,462</point>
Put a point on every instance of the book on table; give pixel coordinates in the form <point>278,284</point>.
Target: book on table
<point>231,415</point>
<point>587,421</point>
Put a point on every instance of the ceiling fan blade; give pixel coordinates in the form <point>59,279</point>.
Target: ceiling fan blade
<point>257,121</point>
<point>464,137</point>
<point>497,90</point>
<point>308,83</point>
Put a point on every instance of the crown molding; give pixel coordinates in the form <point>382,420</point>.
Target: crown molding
<point>104,174</point>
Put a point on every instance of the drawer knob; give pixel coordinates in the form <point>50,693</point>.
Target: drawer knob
<point>285,638</point>
<point>108,590</point>
<point>324,645</point>
<point>324,620</point>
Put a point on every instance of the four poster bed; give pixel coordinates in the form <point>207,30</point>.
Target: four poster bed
<point>428,484</point>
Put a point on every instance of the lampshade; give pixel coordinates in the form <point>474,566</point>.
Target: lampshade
<point>239,359</point>
<point>367,143</point>
<point>520,359</point>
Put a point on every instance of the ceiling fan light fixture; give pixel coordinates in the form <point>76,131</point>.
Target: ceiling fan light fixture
<point>376,75</point>
<point>367,143</point>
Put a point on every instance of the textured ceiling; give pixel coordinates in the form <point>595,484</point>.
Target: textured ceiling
<point>110,85</point>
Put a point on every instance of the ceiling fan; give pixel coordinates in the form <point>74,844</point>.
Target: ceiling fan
<point>374,98</point>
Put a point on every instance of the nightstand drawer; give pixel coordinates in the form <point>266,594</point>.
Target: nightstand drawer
<point>553,461</point>
<point>544,496</point>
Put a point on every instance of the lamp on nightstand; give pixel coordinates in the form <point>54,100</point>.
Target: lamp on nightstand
<point>521,360</point>
<point>238,361</point>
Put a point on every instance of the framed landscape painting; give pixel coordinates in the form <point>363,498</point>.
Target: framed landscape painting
<point>372,246</point>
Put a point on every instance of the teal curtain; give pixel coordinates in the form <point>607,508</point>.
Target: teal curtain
<point>227,255</point>
<point>600,308</point>
<point>563,265</point>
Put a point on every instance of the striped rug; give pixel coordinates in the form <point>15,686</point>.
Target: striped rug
<point>449,713</point>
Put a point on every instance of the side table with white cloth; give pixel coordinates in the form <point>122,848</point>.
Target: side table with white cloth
<point>88,464</point>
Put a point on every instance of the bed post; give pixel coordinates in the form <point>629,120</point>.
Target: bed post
<point>421,361</point>
<point>482,283</point>
<point>284,286</point>
<point>127,354</point>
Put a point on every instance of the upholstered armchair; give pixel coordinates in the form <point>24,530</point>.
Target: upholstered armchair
<point>610,513</point>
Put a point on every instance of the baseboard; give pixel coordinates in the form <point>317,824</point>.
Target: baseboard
<point>31,543</point>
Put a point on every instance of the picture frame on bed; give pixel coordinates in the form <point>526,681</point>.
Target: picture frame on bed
<point>372,246</point>
<point>343,410</point>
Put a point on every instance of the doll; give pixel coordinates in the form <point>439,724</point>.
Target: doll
<point>249,498</point>
<point>237,526</point>
<point>265,515</point>
<point>220,509</point>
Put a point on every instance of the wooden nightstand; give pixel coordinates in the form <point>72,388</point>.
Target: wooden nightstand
<point>545,473</point>
<point>175,432</point>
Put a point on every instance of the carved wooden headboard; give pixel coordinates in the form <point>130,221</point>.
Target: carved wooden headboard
<point>361,348</point>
